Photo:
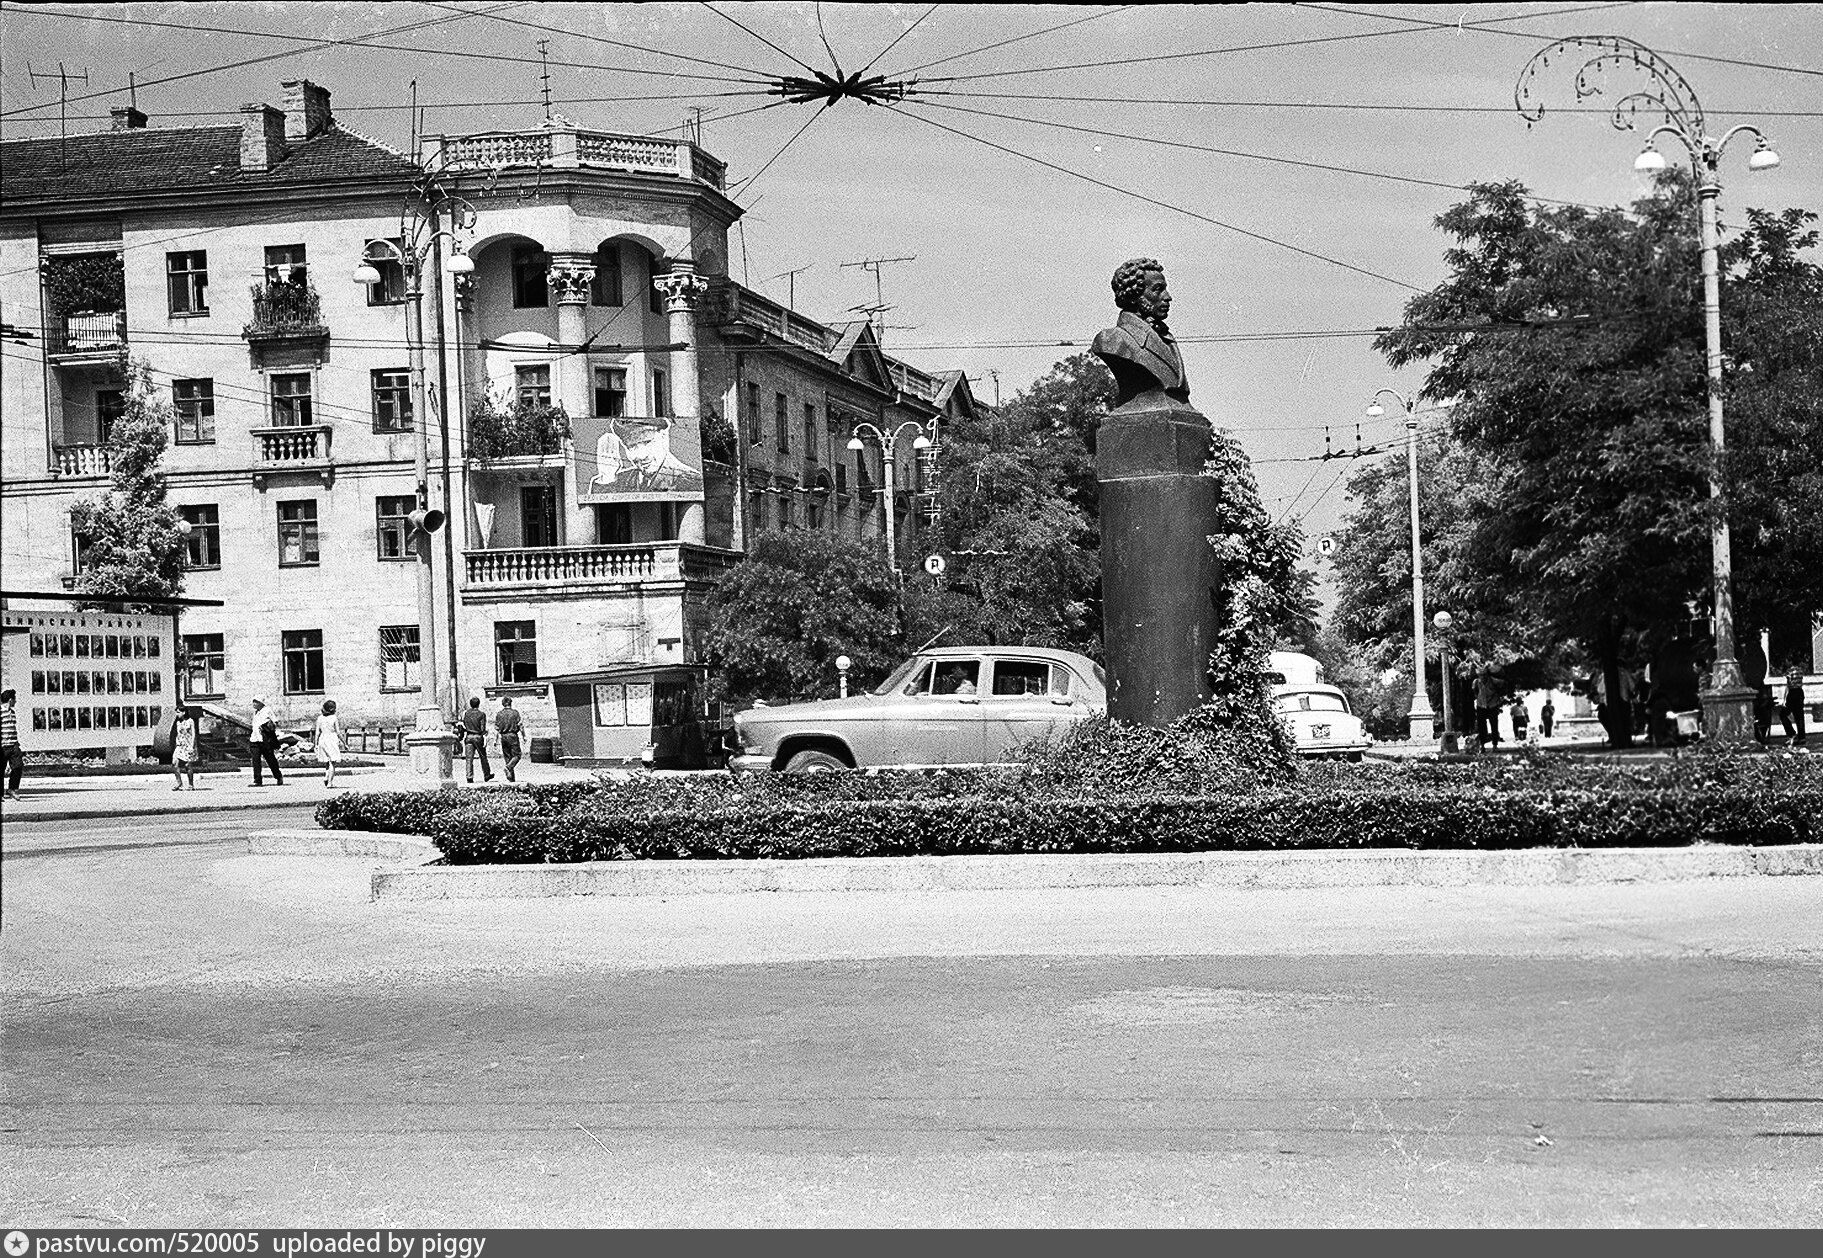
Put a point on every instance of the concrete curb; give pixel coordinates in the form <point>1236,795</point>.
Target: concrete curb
<point>421,880</point>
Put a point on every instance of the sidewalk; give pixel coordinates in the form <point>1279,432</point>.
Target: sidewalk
<point>139,795</point>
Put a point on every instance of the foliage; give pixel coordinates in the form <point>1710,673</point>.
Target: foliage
<point>801,597</point>
<point>94,283</point>
<point>1199,754</point>
<point>132,546</point>
<point>504,431</point>
<point>719,437</point>
<point>285,304</point>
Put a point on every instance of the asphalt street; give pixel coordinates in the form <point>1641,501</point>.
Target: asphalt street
<point>195,1036</point>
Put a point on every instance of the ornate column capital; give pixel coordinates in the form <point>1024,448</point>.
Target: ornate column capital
<point>681,287</point>
<point>570,277</point>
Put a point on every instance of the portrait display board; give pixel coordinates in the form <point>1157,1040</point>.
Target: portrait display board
<point>627,459</point>
<point>88,679</point>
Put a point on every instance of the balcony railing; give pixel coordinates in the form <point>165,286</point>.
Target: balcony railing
<point>608,565</point>
<point>561,148</point>
<point>81,460</point>
<point>285,310</point>
<point>86,334</point>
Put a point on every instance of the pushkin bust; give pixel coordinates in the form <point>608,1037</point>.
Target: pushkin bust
<point>1139,348</point>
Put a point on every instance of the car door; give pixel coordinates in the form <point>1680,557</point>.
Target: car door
<point>941,710</point>
<point>1027,699</point>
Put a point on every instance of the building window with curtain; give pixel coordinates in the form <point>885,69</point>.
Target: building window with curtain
<point>298,541</point>
<point>392,525</point>
<point>604,289</point>
<point>392,400</point>
<point>203,547</point>
<point>110,405</point>
<point>390,291</point>
<point>205,668</point>
<point>286,264</point>
<point>516,650</point>
<point>532,384</point>
<point>399,664</point>
<point>194,403</point>
<point>291,400</point>
<point>187,282</point>
<point>610,392</point>
<point>303,652</point>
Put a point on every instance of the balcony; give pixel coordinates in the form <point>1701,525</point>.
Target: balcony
<point>286,311</point>
<point>560,570</point>
<point>291,448</point>
<point>85,338</point>
<point>81,460</point>
<point>568,148</point>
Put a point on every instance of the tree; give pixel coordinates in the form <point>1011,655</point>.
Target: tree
<point>779,619</point>
<point>1572,341</point>
<point>131,544</point>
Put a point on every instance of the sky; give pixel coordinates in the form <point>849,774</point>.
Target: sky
<point>1347,129</point>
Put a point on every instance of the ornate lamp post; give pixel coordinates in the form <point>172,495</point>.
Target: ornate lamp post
<point>887,448</point>
<point>1443,621</point>
<point>1729,703</point>
<point>431,744</point>
<point>1418,721</point>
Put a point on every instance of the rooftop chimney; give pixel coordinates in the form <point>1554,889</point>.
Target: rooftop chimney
<point>306,109</point>
<point>262,136</point>
<point>127,118</point>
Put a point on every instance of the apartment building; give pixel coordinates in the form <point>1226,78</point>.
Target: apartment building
<point>700,412</point>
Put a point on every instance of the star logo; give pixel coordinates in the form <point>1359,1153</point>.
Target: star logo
<point>17,1243</point>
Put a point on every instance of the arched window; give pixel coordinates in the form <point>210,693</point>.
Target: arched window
<point>605,289</point>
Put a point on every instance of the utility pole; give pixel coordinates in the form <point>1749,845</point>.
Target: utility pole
<point>791,302</point>
<point>874,265</point>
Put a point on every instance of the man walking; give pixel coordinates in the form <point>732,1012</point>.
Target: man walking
<point>508,724</point>
<point>264,740</point>
<point>474,741</point>
<point>12,757</point>
<point>1791,715</point>
<point>1547,716</point>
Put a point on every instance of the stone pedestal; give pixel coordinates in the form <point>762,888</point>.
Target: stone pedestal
<point>433,757</point>
<point>1160,578</point>
<point>1728,717</point>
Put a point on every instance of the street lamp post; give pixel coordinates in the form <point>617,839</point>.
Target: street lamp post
<point>1729,703</point>
<point>1443,621</point>
<point>431,744</point>
<point>1419,719</point>
<point>887,448</point>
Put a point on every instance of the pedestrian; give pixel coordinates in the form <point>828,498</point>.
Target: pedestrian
<point>264,740</point>
<point>328,743</point>
<point>12,756</point>
<point>1520,719</point>
<point>1791,715</point>
<point>508,723</point>
<point>474,741</point>
<point>1487,711</point>
<point>1547,716</point>
<point>183,747</point>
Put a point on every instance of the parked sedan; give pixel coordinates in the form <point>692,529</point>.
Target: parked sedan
<point>1322,724</point>
<point>944,706</point>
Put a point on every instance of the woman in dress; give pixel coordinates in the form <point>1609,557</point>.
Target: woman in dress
<point>328,742</point>
<point>183,747</point>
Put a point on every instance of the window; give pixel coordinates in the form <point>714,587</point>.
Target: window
<point>187,282</point>
<point>788,513</point>
<point>298,534</point>
<point>390,291</point>
<point>655,301</point>
<point>110,405</point>
<point>613,523</point>
<point>757,510</point>
<point>392,400</point>
<point>810,430</point>
<point>755,433</point>
<point>1029,677</point>
<point>194,402</point>
<point>946,677</point>
<point>516,648</point>
<point>661,393</point>
<point>863,476</point>
<point>533,384</point>
<point>393,526</point>
<point>538,515</point>
<point>303,650</point>
<point>610,391</point>
<point>203,548</point>
<point>291,400</point>
<point>604,289</point>
<point>205,673</point>
<point>529,288</point>
<point>781,427</point>
<point>82,547</point>
<point>285,264</point>
<point>399,657</point>
<point>842,480</point>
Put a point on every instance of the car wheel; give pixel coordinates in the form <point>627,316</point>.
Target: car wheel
<point>814,762</point>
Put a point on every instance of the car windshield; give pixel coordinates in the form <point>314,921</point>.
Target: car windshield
<point>1311,701</point>
<point>898,676</point>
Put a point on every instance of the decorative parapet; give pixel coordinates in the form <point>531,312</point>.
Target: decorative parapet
<point>563,147</point>
<point>570,566</point>
<point>81,460</point>
<point>301,447</point>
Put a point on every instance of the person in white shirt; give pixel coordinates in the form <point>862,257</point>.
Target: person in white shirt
<point>264,740</point>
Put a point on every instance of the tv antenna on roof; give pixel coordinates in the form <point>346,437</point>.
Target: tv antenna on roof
<point>544,74</point>
<point>879,306</point>
<point>791,302</point>
<point>63,78</point>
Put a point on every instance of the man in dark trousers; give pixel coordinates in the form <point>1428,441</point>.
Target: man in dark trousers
<point>1547,716</point>
<point>1792,714</point>
<point>508,725</point>
<point>264,740</point>
<point>474,740</point>
<point>12,758</point>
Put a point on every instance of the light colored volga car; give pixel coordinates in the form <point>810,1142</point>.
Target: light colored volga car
<point>1321,721</point>
<point>945,705</point>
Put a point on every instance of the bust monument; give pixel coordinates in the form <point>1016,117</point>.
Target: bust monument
<point>1139,349</point>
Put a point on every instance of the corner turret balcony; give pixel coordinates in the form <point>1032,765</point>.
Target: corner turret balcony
<point>286,311</point>
<point>569,571</point>
<point>291,448</point>
<point>563,147</point>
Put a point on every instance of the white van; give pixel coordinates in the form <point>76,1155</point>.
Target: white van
<point>1318,714</point>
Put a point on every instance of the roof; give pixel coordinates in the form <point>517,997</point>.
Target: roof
<point>181,160</point>
<point>623,672</point>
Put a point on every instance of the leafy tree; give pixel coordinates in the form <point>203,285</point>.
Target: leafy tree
<point>1572,340</point>
<point>132,547</point>
<point>779,619</point>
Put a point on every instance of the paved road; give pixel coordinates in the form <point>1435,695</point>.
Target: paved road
<point>196,1036</point>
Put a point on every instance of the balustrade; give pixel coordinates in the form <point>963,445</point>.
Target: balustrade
<point>88,333</point>
<point>303,444</point>
<point>558,565</point>
<point>81,461</point>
